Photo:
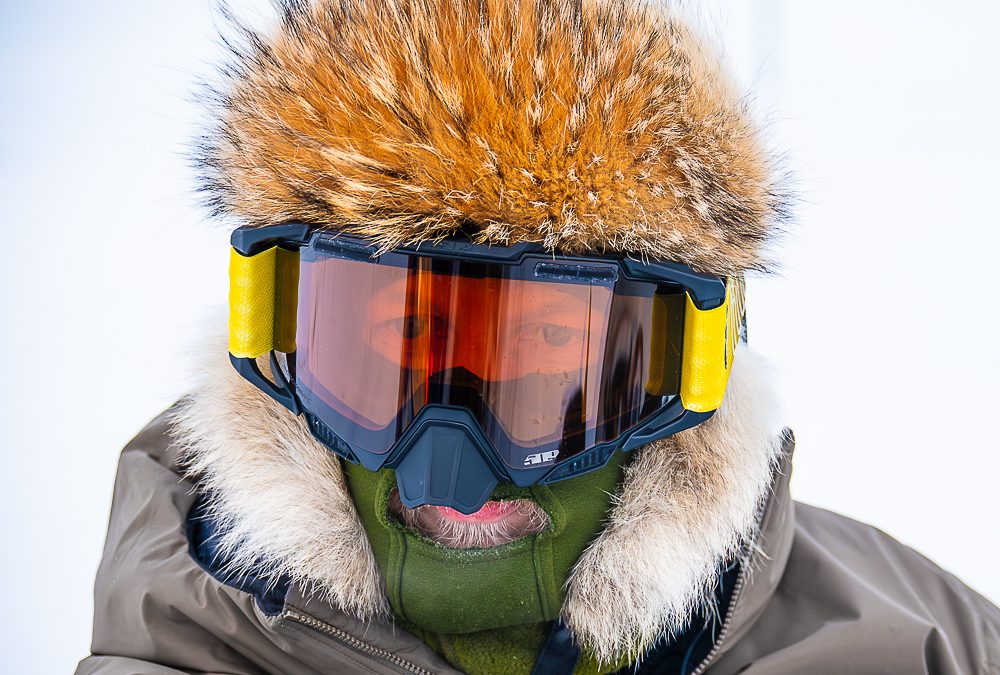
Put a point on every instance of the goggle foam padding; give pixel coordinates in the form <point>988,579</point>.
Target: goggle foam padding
<point>263,295</point>
<point>710,338</point>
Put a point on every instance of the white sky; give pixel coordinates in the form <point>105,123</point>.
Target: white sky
<point>882,327</point>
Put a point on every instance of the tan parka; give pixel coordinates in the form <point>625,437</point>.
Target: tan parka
<point>819,593</point>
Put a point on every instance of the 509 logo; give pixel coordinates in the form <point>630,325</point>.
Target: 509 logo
<point>540,457</point>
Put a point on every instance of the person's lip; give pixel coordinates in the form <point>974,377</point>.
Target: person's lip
<point>491,512</point>
<point>495,524</point>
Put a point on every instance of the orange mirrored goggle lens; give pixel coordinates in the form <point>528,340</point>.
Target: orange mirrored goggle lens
<point>548,362</point>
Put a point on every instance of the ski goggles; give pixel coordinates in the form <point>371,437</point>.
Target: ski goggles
<point>460,366</point>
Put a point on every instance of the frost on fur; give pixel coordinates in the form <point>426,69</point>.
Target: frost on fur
<point>601,125</point>
<point>279,496</point>
<point>688,505</point>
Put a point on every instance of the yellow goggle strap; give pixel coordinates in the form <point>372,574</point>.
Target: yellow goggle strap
<point>710,338</point>
<point>263,296</point>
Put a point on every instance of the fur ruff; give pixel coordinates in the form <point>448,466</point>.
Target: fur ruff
<point>688,504</point>
<point>587,125</point>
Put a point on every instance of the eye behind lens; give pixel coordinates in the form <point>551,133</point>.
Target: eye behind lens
<point>414,327</point>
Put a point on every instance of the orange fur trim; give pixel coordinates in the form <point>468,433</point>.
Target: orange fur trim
<point>588,125</point>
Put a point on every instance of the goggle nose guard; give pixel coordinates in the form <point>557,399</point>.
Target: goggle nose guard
<point>443,460</point>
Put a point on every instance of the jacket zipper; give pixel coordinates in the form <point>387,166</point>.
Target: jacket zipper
<point>737,590</point>
<point>724,629</point>
<point>354,643</point>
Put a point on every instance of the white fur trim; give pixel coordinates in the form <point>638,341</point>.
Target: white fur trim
<point>279,496</point>
<point>687,504</point>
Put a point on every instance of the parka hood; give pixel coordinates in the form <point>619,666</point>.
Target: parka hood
<point>688,506</point>
<point>588,125</point>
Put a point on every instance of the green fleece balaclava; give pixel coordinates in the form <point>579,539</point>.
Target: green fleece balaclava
<point>444,593</point>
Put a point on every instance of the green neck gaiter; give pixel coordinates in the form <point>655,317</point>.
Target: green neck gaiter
<point>505,651</point>
<point>448,591</point>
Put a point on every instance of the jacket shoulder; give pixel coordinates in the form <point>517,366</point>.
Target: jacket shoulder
<point>881,562</point>
<point>853,599</point>
<point>120,665</point>
<point>149,598</point>
<point>153,604</point>
<point>160,608</point>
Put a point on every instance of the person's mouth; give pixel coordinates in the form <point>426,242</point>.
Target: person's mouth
<point>495,524</point>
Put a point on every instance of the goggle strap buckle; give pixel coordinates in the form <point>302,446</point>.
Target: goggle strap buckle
<point>280,390</point>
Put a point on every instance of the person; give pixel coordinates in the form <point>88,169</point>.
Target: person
<point>488,406</point>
